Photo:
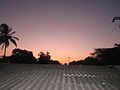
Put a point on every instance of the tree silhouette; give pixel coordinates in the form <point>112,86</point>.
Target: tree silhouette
<point>101,56</point>
<point>108,56</point>
<point>22,56</point>
<point>46,58</point>
<point>6,36</point>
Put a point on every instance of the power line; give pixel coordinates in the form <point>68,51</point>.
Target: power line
<point>106,36</point>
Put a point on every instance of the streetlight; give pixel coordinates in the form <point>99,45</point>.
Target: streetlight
<point>69,60</point>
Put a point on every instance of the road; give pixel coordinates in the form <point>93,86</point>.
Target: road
<point>58,77</point>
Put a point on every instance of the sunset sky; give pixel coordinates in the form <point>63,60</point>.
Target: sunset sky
<point>65,28</point>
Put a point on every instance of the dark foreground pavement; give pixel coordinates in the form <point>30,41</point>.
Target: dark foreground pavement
<point>58,77</point>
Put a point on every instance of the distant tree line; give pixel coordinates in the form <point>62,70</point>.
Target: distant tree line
<point>101,56</point>
<point>25,56</point>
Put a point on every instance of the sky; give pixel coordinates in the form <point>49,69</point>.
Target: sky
<point>65,28</point>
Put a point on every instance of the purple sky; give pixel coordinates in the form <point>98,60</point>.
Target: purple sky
<point>66,28</point>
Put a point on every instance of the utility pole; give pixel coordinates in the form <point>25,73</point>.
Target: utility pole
<point>116,18</point>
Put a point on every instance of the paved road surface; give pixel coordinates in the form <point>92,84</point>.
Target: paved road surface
<point>58,77</point>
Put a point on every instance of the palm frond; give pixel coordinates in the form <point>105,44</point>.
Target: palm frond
<point>3,46</point>
<point>11,33</point>
<point>1,34</point>
<point>13,41</point>
<point>5,29</point>
<point>1,40</point>
<point>10,29</point>
<point>1,28</point>
<point>1,43</point>
<point>15,38</point>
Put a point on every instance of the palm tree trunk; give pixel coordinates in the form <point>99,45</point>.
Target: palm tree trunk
<point>5,51</point>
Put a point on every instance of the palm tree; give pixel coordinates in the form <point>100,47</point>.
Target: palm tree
<point>6,36</point>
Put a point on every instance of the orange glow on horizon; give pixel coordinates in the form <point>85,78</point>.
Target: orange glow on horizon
<point>62,58</point>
